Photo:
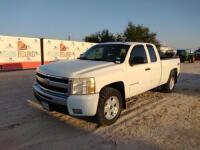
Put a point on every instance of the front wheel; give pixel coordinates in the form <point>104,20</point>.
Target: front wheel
<point>109,107</point>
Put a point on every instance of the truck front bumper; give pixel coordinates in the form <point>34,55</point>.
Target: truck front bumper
<point>77,105</point>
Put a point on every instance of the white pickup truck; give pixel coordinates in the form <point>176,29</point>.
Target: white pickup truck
<point>99,82</point>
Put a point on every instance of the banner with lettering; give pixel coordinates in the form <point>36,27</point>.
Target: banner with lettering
<point>63,50</point>
<point>20,50</point>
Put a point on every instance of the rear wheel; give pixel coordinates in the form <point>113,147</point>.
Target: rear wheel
<point>193,59</point>
<point>109,107</point>
<point>170,85</point>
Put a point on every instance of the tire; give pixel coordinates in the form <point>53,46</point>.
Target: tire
<point>109,107</point>
<point>193,59</point>
<point>189,59</point>
<point>170,85</point>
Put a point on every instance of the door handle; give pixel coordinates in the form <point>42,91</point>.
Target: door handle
<point>147,69</point>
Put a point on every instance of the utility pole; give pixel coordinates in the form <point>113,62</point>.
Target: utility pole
<point>69,38</point>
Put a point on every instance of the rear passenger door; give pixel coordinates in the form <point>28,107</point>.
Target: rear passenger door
<point>138,74</point>
<point>155,66</point>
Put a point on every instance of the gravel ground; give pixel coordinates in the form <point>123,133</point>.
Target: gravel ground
<point>154,120</point>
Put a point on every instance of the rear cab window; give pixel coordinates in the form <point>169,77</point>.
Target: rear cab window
<point>152,53</point>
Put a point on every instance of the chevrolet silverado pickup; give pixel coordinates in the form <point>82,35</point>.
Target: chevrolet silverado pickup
<point>99,82</point>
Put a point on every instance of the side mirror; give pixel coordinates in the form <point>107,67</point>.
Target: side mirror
<point>131,62</point>
<point>137,60</point>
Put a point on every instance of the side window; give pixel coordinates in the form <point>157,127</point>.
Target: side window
<point>152,53</point>
<point>138,55</point>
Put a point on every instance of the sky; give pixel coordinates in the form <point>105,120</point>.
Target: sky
<point>176,22</point>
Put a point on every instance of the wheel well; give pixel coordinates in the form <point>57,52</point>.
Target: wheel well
<point>120,87</point>
<point>175,71</point>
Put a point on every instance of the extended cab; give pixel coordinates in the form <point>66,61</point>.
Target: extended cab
<point>99,82</point>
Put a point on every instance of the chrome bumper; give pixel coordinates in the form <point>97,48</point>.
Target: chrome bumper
<point>86,103</point>
<point>47,96</point>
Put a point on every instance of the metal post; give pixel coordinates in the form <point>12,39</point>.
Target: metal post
<point>42,50</point>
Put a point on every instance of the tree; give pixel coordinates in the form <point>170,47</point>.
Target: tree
<point>100,37</point>
<point>132,33</point>
<point>119,37</point>
<point>92,38</point>
<point>139,33</point>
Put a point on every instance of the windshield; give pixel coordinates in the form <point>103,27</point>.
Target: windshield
<point>106,52</point>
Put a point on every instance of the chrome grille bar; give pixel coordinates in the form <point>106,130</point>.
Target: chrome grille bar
<point>53,84</point>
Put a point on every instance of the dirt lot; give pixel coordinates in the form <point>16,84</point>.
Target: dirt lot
<point>154,121</point>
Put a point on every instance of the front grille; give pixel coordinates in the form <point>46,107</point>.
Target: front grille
<point>53,84</point>
<point>53,78</point>
<point>53,88</point>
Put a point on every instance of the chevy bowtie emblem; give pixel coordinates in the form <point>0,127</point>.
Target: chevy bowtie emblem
<point>46,81</point>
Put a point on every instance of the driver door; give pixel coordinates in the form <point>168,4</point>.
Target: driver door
<point>138,71</point>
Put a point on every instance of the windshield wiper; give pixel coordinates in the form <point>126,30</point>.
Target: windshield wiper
<point>83,58</point>
<point>96,59</point>
<point>100,59</point>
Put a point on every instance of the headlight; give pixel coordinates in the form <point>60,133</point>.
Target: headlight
<point>83,86</point>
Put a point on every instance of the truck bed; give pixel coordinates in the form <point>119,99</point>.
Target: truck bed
<point>165,57</point>
<point>167,65</point>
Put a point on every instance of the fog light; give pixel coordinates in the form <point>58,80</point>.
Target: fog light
<point>77,111</point>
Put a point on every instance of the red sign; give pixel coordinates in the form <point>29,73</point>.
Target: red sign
<point>21,45</point>
<point>63,47</point>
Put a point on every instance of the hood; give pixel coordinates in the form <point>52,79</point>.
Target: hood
<point>71,68</point>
